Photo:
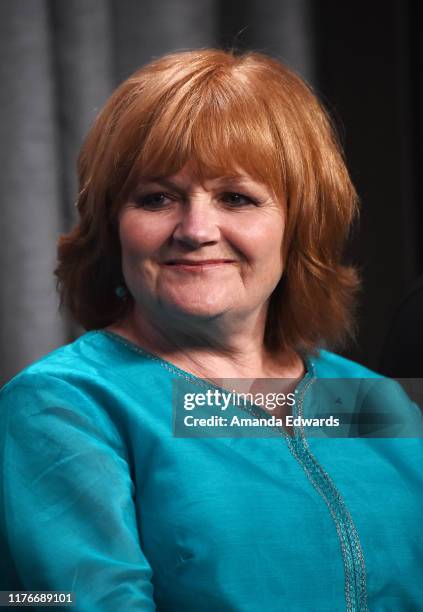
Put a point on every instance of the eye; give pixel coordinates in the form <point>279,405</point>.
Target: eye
<point>153,201</point>
<point>236,199</point>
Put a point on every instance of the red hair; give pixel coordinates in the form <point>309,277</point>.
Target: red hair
<point>225,111</point>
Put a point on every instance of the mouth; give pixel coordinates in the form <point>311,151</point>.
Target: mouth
<point>196,262</point>
<point>196,265</point>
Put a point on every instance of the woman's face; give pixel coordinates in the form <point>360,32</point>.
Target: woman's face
<point>201,249</point>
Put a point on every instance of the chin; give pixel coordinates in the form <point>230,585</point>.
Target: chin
<point>197,310</point>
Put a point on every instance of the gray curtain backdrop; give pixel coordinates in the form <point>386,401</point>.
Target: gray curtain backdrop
<point>60,60</point>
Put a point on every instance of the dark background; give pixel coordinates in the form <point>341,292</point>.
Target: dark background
<point>61,60</point>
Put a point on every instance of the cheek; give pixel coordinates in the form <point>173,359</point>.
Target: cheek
<point>138,239</point>
<point>262,242</point>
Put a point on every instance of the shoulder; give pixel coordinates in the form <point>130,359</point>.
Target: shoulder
<point>65,376</point>
<point>84,354</point>
<point>385,406</point>
<point>93,360</point>
<point>332,365</point>
<point>48,381</point>
<point>95,376</point>
<point>60,393</point>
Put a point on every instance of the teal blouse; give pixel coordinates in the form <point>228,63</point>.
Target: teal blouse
<point>100,498</point>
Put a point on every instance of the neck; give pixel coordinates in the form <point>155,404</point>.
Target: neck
<point>215,348</point>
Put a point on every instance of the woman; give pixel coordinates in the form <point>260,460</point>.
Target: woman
<point>214,205</point>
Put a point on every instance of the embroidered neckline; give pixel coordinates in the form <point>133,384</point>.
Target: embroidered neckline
<point>309,364</point>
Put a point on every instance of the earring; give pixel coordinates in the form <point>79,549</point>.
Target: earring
<point>121,292</point>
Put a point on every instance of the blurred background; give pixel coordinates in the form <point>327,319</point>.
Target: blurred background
<point>60,60</point>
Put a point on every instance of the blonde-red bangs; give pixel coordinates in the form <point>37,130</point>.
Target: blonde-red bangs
<point>221,128</point>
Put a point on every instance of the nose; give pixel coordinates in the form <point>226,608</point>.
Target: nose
<point>198,223</point>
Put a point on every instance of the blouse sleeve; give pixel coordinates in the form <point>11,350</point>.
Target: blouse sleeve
<point>68,507</point>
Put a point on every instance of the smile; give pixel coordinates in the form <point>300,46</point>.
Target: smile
<point>196,266</point>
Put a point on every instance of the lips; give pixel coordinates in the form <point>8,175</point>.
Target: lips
<point>197,266</point>
<point>193,262</point>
